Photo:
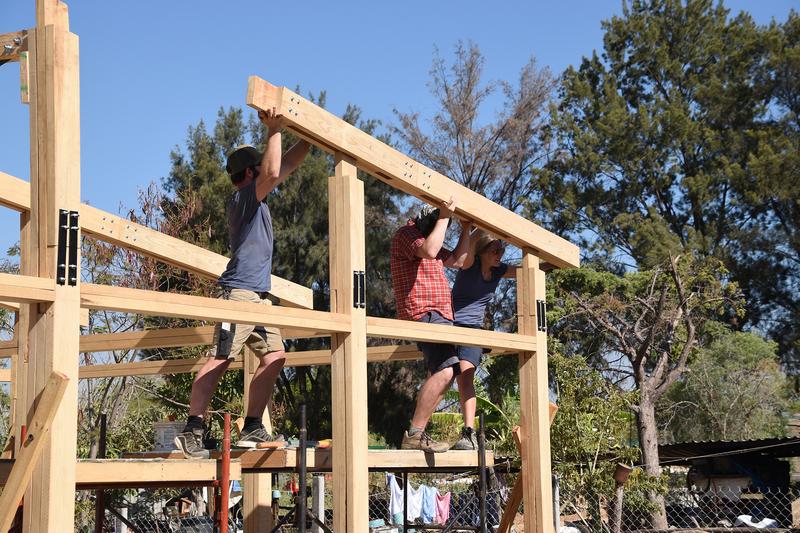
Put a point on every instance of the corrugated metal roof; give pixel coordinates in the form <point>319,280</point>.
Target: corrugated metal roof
<point>682,452</point>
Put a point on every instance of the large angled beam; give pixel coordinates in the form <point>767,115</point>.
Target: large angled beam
<point>113,229</point>
<point>333,134</point>
<point>154,303</point>
<point>12,44</point>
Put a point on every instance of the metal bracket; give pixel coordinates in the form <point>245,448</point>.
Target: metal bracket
<point>359,289</point>
<point>61,259</point>
<point>72,266</point>
<point>541,315</point>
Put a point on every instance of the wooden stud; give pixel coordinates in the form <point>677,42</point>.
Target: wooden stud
<point>32,448</point>
<point>333,134</point>
<point>535,428</point>
<point>349,351</point>
<point>256,487</point>
<point>53,327</point>
<point>113,229</point>
<point>12,45</point>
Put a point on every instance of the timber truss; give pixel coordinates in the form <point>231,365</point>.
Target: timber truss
<point>51,303</point>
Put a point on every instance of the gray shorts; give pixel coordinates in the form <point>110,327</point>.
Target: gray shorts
<point>438,356</point>
<point>472,354</point>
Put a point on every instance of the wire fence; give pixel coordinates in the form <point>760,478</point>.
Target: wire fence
<point>721,507</point>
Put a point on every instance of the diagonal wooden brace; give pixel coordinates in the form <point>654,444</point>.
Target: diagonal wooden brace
<point>31,449</point>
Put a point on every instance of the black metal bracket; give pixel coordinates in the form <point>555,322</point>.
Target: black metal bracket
<point>61,259</point>
<point>67,264</point>
<point>541,315</point>
<point>359,289</point>
<point>72,266</point>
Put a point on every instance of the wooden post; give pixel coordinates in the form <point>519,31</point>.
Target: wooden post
<point>31,449</point>
<point>53,328</point>
<point>348,350</point>
<point>534,392</point>
<point>256,488</point>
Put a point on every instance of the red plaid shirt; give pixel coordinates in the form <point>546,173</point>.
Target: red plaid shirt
<point>419,284</point>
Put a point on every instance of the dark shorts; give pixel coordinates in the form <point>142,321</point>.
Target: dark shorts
<point>471,354</point>
<point>438,356</point>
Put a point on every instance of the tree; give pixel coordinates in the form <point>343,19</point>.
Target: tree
<point>734,389</point>
<point>681,136</point>
<point>646,326</point>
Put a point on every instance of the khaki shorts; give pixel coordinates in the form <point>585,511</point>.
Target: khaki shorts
<point>229,338</point>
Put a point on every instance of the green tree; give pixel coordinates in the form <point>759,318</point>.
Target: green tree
<point>644,327</point>
<point>734,389</point>
<point>681,135</point>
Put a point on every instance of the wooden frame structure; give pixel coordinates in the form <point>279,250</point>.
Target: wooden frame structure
<point>48,300</point>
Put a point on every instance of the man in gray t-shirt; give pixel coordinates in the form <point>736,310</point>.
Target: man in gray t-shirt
<point>247,279</point>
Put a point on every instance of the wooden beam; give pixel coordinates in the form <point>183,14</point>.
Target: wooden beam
<point>390,328</point>
<point>31,450</point>
<point>256,487</point>
<point>53,328</point>
<point>12,44</point>
<point>136,472</point>
<point>534,400</point>
<point>183,366</point>
<point>169,338</point>
<point>10,306</point>
<point>154,303</point>
<point>28,289</point>
<point>5,375</point>
<point>348,351</point>
<point>8,348</point>
<point>333,134</point>
<point>113,229</point>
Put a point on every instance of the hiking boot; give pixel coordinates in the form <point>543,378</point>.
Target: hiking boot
<point>191,444</point>
<point>423,441</point>
<point>468,440</point>
<point>253,437</point>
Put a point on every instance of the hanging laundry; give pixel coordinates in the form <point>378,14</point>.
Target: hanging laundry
<point>414,504</point>
<point>395,497</point>
<point>442,508</point>
<point>429,495</point>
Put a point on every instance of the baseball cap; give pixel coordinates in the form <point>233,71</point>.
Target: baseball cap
<point>241,158</point>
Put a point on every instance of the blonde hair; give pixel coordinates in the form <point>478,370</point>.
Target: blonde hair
<point>484,241</point>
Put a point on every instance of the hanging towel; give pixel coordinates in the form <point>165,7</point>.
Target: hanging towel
<point>442,508</point>
<point>414,502</point>
<point>395,497</point>
<point>429,495</point>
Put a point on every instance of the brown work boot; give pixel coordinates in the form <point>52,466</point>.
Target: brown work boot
<point>423,441</point>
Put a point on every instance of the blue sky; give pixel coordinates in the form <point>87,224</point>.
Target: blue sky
<point>149,68</point>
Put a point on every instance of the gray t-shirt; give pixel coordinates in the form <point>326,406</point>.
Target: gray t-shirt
<point>250,232</point>
<point>472,293</point>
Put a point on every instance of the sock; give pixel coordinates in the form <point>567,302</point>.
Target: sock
<point>413,431</point>
<point>252,422</point>
<point>193,422</point>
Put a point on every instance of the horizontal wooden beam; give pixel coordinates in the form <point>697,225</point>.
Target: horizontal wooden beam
<point>130,472</point>
<point>8,348</point>
<point>154,303</point>
<point>169,338</point>
<point>27,289</point>
<point>10,306</point>
<point>15,194</point>
<point>5,375</point>
<point>390,328</point>
<point>333,134</point>
<point>375,354</point>
<point>11,44</point>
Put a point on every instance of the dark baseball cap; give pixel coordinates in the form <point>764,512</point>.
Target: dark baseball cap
<point>242,157</point>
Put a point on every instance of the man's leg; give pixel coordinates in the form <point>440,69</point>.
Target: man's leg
<point>430,395</point>
<point>466,392</point>
<point>205,383</point>
<point>263,382</point>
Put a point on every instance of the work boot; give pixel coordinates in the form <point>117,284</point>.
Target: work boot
<point>191,444</point>
<point>468,440</point>
<point>251,438</point>
<point>422,441</point>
